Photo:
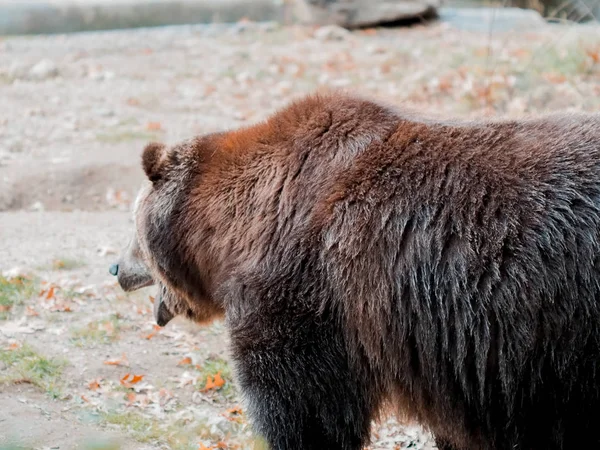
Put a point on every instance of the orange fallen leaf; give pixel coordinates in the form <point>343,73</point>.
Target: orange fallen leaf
<point>94,385</point>
<point>185,361</point>
<point>151,299</point>
<point>150,336</point>
<point>214,383</point>
<point>50,293</point>
<point>221,445</point>
<point>84,398</point>
<point>14,346</point>
<point>117,362</point>
<point>219,382</point>
<point>203,447</point>
<point>125,381</point>
<point>210,384</point>
<point>595,55</point>
<point>131,397</point>
<point>154,126</point>
<point>4,308</point>
<point>61,307</point>
<point>236,410</point>
<point>29,311</point>
<point>555,78</point>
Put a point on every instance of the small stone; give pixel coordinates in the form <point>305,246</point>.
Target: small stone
<point>17,71</point>
<point>269,26</point>
<point>105,251</point>
<point>15,272</point>
<point>43,70</point>
<point>106,112</point>
<point>331,33</point>
<point>37,206</point>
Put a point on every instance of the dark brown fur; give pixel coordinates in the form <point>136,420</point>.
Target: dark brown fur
<point>363,257</point>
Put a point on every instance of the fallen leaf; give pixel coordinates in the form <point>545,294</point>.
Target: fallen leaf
<point>595,55</point>
<point>203,447</point>
<point>236,410</point>
<point>13,346</point>
<point>4,308</point>
<point>214,383</point>
<point>94,385</point>
<point>50,293</point>
<point>154,126</point>
<point>117,362</point>
<point>150,336</point>
<point>185,361</point>
<point>555,78</point>
<point>29,311</point>
<point>84,398</point>
<point>125,381</point>
<point>136,379</point>
<point>131,397</point>
<point>219,382</point>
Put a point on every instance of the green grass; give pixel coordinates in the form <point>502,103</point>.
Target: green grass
<point>14,292</point>
<point>127,136</point>
<point>98,332</point>
<point>141,428</point>
<point>213,366</point>
<point>24,365</point>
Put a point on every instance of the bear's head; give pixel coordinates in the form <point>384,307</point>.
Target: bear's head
<point>169,247</point>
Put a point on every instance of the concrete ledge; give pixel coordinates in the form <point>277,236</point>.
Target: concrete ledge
<point>43,17</point>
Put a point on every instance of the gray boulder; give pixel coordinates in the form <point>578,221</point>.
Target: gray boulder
<point>362,13</point>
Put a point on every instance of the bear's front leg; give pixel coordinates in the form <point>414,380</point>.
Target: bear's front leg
<point>300,390</point>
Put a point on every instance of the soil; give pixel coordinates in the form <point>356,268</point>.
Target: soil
<point>76,112</point>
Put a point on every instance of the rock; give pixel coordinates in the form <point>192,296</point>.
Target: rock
<point>37,206</point>
<point>103,112</point>
<point>17,71</point>
<point>331,33</point>
<point>15,272</point>
<point>492,20</point>
<point>362,13</point>
<point>43,70</point>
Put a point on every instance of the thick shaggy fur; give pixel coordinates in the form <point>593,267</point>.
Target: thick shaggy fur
<point>365,258</point>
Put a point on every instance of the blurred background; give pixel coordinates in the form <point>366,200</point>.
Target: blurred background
<point>84,84</point>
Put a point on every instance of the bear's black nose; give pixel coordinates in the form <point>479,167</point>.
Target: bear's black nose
<point>114,269</point>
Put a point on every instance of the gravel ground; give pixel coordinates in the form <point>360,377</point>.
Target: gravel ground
<point>76,112</point>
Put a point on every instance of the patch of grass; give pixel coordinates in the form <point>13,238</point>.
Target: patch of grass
<point>14,292</point>
<point>213,366</point>
<point>27,366</point>
<point>66,264</point>
<point>98,332</point>
<point>126,136</point>
<point>142,428</point>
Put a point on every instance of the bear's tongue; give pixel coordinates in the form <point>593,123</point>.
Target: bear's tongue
<point>162,315</point>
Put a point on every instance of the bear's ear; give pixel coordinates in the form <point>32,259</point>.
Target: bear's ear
<point>153,160</point>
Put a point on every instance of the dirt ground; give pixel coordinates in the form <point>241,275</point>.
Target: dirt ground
<point>82,365</point>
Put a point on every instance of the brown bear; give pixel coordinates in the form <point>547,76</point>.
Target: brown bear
<point>365,258</point>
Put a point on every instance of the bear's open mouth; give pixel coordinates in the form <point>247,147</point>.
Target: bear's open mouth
<point>162,314</point>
